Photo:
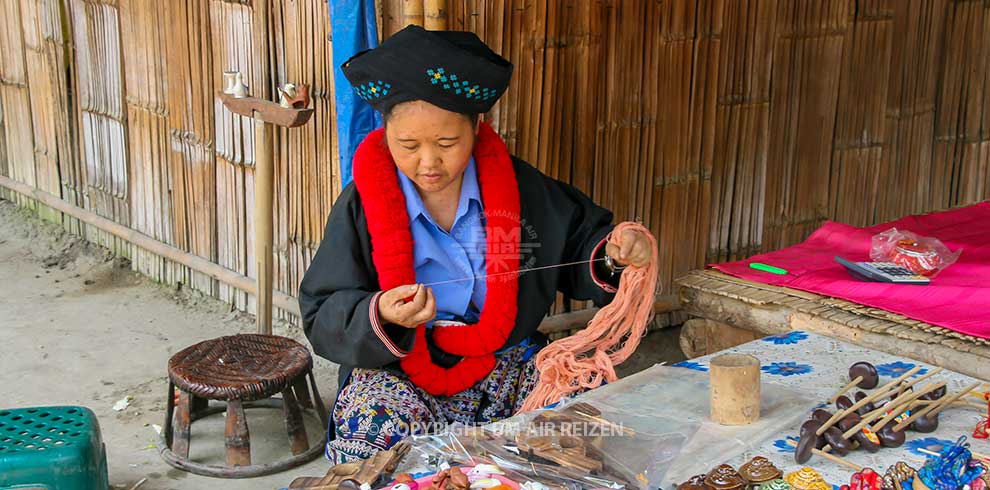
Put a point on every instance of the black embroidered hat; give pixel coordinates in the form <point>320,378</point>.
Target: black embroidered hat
<point>453,70</point>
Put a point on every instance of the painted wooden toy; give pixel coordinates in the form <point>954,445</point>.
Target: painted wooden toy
<point>807,479</point>
<point>864,480</point>
<point>759,470</point>
<point>778,484</point>
<point>951,470</point>
<point>724,477</point>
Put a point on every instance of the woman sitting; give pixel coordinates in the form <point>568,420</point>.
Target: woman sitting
<point>416,289</point>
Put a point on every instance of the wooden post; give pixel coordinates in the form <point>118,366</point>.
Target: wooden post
<point>735,389</point>
<point>263,170</point>
<point>294,425</point>
<point>264,185</point>
<point>435,15</point>
<point>266,115</point>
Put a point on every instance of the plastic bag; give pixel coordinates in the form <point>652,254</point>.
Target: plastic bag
<point>572,446</point>
<point>648,430</point>
<point>926,256</point>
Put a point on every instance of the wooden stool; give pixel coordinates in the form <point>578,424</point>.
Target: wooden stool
<point>238,372</point>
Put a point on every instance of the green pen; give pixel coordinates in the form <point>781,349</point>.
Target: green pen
<point>767,268</point>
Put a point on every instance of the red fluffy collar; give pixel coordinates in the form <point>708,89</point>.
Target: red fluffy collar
<point>392,252</point>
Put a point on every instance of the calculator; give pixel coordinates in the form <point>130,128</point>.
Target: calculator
<point>882,272</point>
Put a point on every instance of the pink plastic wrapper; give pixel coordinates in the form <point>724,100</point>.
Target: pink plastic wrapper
<point>922,255</point>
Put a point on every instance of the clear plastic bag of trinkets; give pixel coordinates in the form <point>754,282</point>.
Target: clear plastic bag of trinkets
<point>574,445</point>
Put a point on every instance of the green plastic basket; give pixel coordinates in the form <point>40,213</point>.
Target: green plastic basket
<point>51,448</point>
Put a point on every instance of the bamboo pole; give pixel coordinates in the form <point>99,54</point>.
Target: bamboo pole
<point>412,12</point>
<point>264,170</point>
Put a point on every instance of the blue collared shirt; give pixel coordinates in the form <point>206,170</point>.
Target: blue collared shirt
<point>442,256</point>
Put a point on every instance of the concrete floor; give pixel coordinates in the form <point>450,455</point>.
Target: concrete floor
<point>80,328</point>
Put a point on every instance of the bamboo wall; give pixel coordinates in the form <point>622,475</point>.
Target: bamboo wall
<point>727,126</point>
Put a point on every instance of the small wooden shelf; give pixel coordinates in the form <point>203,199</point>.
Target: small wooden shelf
<point>269,111</point>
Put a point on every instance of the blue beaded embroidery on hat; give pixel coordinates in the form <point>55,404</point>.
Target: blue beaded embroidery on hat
<point>451,82</point>
<point>372,90</point>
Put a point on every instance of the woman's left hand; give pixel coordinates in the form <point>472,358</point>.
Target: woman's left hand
<point>634,249</point>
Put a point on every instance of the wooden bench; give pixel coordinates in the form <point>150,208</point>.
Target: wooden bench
<point>728,311</point>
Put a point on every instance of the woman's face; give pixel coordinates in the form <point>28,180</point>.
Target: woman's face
<point>430,145</point>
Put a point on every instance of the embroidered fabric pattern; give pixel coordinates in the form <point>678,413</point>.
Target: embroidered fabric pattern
<point>451,82</point>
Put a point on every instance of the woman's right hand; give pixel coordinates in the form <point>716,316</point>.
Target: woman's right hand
<point>393,308</point>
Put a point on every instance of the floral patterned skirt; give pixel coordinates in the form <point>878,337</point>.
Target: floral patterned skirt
<point>378,408</point>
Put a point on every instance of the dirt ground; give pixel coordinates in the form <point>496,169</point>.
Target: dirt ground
<point>80,328</point>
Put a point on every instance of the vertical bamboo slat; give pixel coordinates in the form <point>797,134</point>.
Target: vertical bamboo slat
<point>435,14</point>
<point>807,62</point>
<point>231,47</point>
<point>101,112</point>
<point>15,98</point>
<point>189,133</point>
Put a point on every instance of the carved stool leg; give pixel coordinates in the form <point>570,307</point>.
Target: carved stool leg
<point>238,441</point>
<point>197,406</point>
<point>180,431</point>
<point>169,412</point>
<point>294,425</point>
<point>321,410</point>
<point>302,392</point>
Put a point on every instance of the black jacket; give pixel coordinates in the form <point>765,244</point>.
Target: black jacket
<point>559,224</point>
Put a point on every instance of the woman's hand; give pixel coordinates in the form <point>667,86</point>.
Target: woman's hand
<point>393,308</point>
<point>633,249</point>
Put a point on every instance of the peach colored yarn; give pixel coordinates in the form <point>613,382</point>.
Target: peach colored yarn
<point>585,359</point>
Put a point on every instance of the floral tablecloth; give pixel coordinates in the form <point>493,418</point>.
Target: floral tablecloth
<point>819,366</point>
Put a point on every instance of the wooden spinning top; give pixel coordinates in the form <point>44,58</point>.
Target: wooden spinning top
<point>865,409</point>
<point>821,415</point>
<point>696,482</point>
<point>778,484</point>
<point>807,479</point>
<point>890,437</point>
<point>868,440</point>
<point>935,394</point>
<point>840,445</point>
<point>861,374</point>
<point>843,403</point>
<point>759,470</point>
<point>925,424</point>
<point>866,371</point>
<point>724,477</point>
<point>807,442</point>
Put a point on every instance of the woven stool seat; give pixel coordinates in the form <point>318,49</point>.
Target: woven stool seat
<point>243,367</point>
<point>229,375</point>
